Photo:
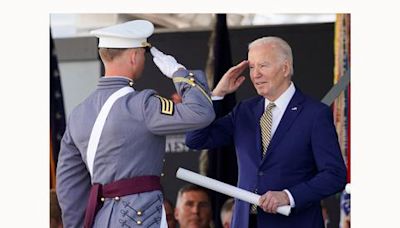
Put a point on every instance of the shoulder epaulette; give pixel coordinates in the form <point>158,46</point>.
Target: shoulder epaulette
<point>191,81</point>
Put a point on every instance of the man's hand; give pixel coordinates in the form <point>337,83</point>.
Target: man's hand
<point>231,80</point>
<point>166,63</point>
<point>271,200</point>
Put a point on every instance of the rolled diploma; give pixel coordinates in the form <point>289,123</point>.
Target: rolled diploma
<point>224,188</point>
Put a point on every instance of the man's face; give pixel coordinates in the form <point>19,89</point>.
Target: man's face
<point>268,71</point>
<point>194,210</point>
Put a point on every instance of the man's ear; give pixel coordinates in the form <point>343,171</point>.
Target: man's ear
<point>133,55</point>
<point>176,213</point>
<point>286,69</point>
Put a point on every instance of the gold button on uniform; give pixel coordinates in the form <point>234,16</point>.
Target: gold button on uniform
<point>102,199</point>
<point>191,74</point>
<point>139,213</point>
<point>116,198</point>
<point>139,222</point>
<point>192,79</point>
<point>131,83</point>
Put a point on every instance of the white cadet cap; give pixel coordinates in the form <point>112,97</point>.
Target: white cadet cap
<point>130,34</point>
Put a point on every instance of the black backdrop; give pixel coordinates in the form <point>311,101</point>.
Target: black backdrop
<point>312,46</point>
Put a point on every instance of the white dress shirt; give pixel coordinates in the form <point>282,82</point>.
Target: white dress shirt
<point>281,104</point>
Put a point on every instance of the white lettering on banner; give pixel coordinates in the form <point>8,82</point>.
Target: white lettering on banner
<point>176,144</point>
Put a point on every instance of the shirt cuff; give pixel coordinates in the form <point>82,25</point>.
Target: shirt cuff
<point>292,204</point>
<point>216,98</point>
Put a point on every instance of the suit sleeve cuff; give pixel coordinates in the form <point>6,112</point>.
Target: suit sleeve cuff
<point>292,204</point>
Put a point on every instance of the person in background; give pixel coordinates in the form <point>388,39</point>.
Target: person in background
<point>226,213</point>
<point>286,143</point>
<point>193,207</point>
<point>345,211</point>
<point>325,214</point>
<point>169,212</point>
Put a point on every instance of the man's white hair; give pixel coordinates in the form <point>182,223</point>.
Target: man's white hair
<point>284,49</point>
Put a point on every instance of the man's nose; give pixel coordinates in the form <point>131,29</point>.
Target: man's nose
<point>256,72</point>
<point>195,209</point>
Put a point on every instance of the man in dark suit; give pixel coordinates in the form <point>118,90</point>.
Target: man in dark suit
<point>286,143</point>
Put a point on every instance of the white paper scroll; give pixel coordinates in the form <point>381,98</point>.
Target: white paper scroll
<point>224,188</point>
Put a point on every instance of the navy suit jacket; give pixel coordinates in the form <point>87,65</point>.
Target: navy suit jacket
<point>303,156</point>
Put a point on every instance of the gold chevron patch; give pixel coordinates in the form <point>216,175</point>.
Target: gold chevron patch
<point>167,106</point>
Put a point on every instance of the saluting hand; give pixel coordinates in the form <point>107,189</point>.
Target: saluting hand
<point>231,80</point>
<point>271,200</point>
<point>166,63</point>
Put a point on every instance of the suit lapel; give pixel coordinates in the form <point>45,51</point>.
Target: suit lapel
<point>292,110</point>
<point>258,110</point>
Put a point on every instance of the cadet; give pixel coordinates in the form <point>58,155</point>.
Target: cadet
<point>112,151</point>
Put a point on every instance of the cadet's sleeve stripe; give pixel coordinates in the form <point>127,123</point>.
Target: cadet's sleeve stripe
<point>171,105</point>
<point>185,80</point>
<point>167,106</point>
<point>163,104</point>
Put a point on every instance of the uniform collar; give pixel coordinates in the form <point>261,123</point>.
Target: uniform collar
<point>114,82</point>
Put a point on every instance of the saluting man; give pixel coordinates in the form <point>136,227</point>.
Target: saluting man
<point>286,143</point>
<point>112,151</point>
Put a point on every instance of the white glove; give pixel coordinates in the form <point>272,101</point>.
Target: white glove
<point>166,63</point>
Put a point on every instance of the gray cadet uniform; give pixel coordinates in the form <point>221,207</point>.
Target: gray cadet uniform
<point>132,144</point>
